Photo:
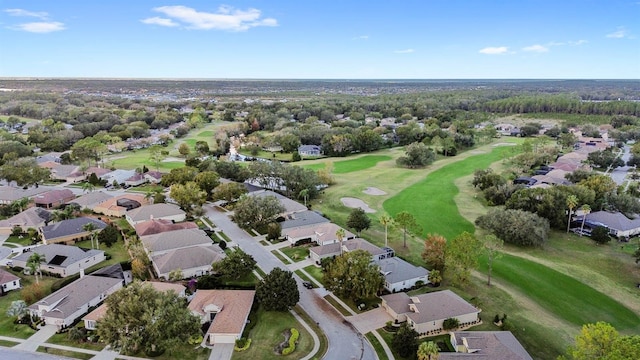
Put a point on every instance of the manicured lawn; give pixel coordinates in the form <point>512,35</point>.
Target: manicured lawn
<point>63,339</point>
<point>280,257</point>
<point>324,343</point>
<point>117,251</point>
<point>7,343</point>
<point>224,236</point>
<point>25,240</point>
<point>364,162</point>
<point>66,353</point>
<point>147,188</point>
<point>267,334</point>
<point>297,253</point>
<point>382,355</point>
<point>341,309</point>
<point>302,276</point>
<point>431,201</point>
<point>7,327</point>
<point>562,295</point>
<point>315,272</point>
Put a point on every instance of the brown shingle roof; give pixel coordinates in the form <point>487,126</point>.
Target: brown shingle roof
<point>235,307</point>
<point>53,196</point>
<point>490,345</point>
<point>7,277</point>
<point>429,307</point>
<point>157,226</point>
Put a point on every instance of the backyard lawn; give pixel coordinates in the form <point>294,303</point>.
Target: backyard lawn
<point>267,334</point>
<point>297,253</point>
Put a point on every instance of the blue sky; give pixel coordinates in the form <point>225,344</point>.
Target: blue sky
<point>329,39</point>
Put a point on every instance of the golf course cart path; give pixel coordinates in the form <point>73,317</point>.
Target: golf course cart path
<point>356,203</point>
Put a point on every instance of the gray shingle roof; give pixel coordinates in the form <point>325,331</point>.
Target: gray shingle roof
<point>7,277</point>
<point>290,206</point>
<point>302,218</point>
<point>32,217</point>
<point>10,193</point>
<point>75,295</point>
<point>397,270</point>
<point>191,257</point>
<point>155,211</point>
<point>175,239</point>
<point>91,199</point>
<point>614,220</point>
<point>490,345</point>
<point>66,254</point>
<point>70,227</point>
<point>433,306</point>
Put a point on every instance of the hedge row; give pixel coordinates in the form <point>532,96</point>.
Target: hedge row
<point>292,342</point>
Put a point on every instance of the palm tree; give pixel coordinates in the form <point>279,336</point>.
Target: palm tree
<point>572,202</point>
<point>91,227</point>
<point>586,209</point>
<point>21,204</point>
<point>385,220</point>
<point>304,193</point>
<point>65,214</point>
<point>340,235</point>
<point>33,263</point>
<point>88,187</point>
<point>428,351</point>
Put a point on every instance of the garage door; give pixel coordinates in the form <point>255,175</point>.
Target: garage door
<point>222,339</point>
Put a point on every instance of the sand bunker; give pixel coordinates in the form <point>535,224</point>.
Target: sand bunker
<point>374,191</point>
<point>356,203</point>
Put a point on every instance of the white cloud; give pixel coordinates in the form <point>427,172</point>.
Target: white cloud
<point>160,21</point>
<point>21,12</point>
<point>405,51</point>
<point>40,27</point>
<point>578,43</point>
<point>361,37</point>
<point>226,18</point>
<point>536,48</point>
<point>499,50</point>
<point>619,34</point>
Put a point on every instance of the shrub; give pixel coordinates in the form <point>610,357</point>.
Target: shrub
<point>293,339</point>
<point>450,323</point>
<point>242,344</point>
<point>222,244</point>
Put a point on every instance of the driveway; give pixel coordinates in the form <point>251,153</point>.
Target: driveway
<point>221,352</point>
<point>344,340</point>
<point>370,320</point>
<point>35,340</point>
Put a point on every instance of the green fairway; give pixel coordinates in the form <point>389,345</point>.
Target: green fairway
<point>347,166</point>
<point>431,200</point>
<point>365,162</point>
<point>562,295</point>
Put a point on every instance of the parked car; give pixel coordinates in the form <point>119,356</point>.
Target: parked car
<point>307,284</point>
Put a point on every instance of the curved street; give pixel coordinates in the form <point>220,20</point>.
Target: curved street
<point>345,342</point>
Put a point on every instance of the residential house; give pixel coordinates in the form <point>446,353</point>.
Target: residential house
<point>118,206</point>
<point>118,176</point>
<point>226,310</point>
<point>400,275</point>
<point>54,198</point>
<point>317,253</point>
<point>99,171</point>
<point>153,177</point>
<point>64,306</point>
<point>507,129</point>
<point>162,243</point>
<point>33,217</point>
<point>192,261</point>
<point>490,345</point>
<point>156,211</point>
<point>156,226</point>
<point>290,206</point>
<point>92,318</point>
<point>553,177</point>
<point>8,282</point>
<point>49,157</point>
<point>91,200</point>
<point>68,231</point>
<point>69,173</point>
<point>302,219</point>
<point>321,234</point>
<point>64,260</point>
<point>618,224</point>
<point>425,313</point>
<point>309,150</point>
<point>9,194</point>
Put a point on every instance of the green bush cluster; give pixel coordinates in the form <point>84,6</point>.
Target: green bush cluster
<point>242,344</point>
<point>292,342</point>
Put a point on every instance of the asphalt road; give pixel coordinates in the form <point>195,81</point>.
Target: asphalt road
<point>344,340</point>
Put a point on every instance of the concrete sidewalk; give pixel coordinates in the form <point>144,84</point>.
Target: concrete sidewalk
<point>37,339</point>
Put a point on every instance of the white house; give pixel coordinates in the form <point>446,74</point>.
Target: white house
<point>8,281</point>
<point>162,243</point>
<point>192,261</point>
<point>426,313</point>
<point>321,234</point>
<point>227,310</point>
<point>64,260</point>
<point>66,305</point>
<point>399,275</point>
<point>155,211</point>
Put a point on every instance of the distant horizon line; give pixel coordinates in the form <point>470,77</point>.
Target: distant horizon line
<point>36,78</point>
